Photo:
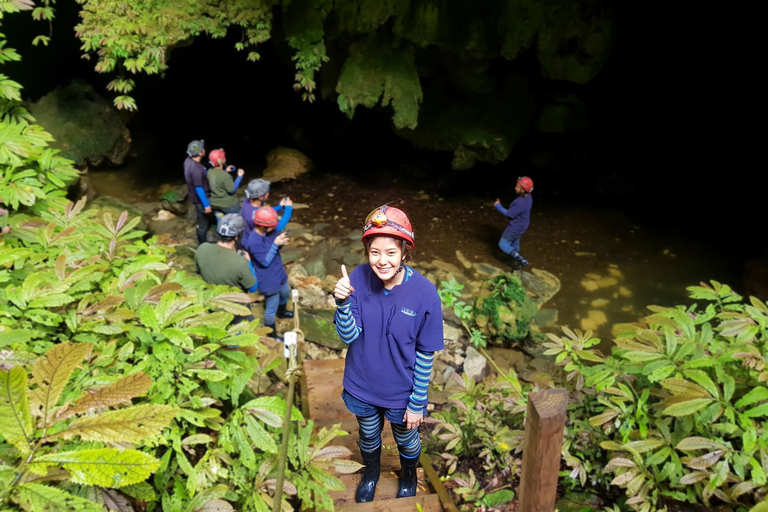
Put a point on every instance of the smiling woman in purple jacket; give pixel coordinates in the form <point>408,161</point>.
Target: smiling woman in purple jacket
<point>391,318</point>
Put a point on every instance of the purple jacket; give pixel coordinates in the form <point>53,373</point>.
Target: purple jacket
<point>519,214</point>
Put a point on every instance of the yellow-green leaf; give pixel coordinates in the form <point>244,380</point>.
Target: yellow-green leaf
<point>51,373</point>
<point>756,412</point>
<point>605,417</point>
<point>611,445</point>
<point>12,337</point>
<point>105,467</point>
<point>119,392</point>
<point>209,375</point>
<point>15,417</point>
<point>131,424</point>
<point>702,379</point>
<point>644,445</point>
<point>50,499</point>
<point>325,479</point>
<point>178,337</point>
<point>51,301</point>
<point>684,387</point>
<point>699,443</point>
<point>687,407</point>
<point>758,394</point>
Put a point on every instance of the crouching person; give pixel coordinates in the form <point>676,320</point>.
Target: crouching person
<point>221,263</point>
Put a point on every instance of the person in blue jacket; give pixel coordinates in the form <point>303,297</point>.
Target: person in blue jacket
<point>264,246</point>
<point>391,318</point>
<point>198,189</point>
<point>256,195</point>
<point>519,215</point>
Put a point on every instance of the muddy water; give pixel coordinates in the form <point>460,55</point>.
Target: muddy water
<point>611,267</point>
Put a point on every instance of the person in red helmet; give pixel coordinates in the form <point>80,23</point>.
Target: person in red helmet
<point>264,246</point>
<point>391,318</point>
<point>220,182</point>
<point>519,215</point>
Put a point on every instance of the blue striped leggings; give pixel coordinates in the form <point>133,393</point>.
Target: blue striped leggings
<point>370,418</point>
<point>371,427</point>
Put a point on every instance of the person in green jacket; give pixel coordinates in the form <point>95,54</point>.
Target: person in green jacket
<point>222,186</point>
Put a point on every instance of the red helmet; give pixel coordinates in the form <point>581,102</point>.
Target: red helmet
<point>525,182</point>
<point>265,216</point>
<point>388,221</point>
<point>217,156</point>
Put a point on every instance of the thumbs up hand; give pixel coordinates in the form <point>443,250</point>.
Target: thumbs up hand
<point>343,287</point>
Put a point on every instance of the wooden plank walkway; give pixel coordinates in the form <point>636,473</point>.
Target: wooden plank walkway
<point>321,400</point>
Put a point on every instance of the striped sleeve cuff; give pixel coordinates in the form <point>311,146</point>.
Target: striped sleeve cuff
<point>421,375</point>
<point>346,327</point>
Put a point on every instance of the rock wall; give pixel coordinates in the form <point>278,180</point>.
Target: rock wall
<point>85,126</point>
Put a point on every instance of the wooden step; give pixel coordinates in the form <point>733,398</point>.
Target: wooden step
<point>386,489</point>
<point>427,502</point>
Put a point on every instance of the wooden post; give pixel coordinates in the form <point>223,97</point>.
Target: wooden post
<point>544,425</point>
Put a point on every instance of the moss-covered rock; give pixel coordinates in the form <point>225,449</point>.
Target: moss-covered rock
<point>318,327</point>
<point>563,113</point>
<point>85,126</point>
<point>502,310</point>
<point>379,69</point>
<point>485,129</point>
<point>286,164</point>
<point>576,40</point>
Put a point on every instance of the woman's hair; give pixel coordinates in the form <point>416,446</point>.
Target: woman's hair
<point>404,246</point>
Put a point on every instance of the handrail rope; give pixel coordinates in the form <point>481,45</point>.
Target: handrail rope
<point>292,374</point>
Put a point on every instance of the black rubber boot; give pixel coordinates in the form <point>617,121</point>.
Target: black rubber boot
<point>518,261</point>
<point>274,331</point>
<point>282,312</point>
<point>367,487</point>
<point>407,485</point>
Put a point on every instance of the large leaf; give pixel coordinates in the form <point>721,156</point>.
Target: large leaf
<point>684,387</point>
<point>38,497</point>
<point>131,424</point>
<point>325,479</point>
<point>758,394</point>
<point>644,445</point>
<point>15,418</point>
<point>51,301</point>
<point>699,443</point>
<point>211,495</point>
<point>258,434</point>
<point>51,373</point>
<point>214,506</point>
<point>105,467</point>
<point>113,500</point>
<point>704,380</point>
<point>12,337</point>
<point>687,407</point>
<point>119,392</point>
